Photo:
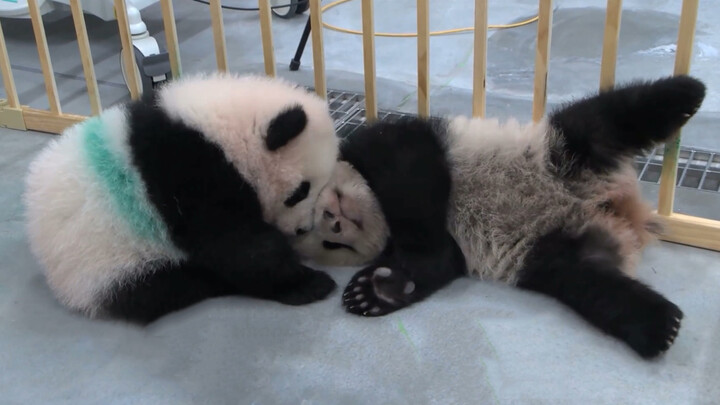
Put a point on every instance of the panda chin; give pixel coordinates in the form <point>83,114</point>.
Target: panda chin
<point>336,246</point>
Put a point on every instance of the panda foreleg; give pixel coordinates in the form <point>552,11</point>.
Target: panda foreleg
<point>169,288</point>
<point>398,279</point>
<point>261,263</point>
<point>597,132</point>
<point>582,271</point>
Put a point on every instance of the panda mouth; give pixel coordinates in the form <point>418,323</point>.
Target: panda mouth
<point>335,246</point>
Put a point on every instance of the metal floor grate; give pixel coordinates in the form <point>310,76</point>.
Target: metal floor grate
<point>348,111</point>
<point>697,169</point>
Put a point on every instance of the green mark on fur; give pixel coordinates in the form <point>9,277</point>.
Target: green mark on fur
<point>122,183</point>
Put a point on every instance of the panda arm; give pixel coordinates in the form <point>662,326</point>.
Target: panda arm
<point>255,258</point>
<point>399,278</point>
<point>214,215</point>
<point>404,164</point>
<point>406,167</point>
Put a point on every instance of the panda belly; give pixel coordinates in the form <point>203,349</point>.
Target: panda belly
<point>78,220</point>
<point>501,204</point>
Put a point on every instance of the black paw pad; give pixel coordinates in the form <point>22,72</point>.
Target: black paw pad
<point>377,291</point>
<point>653,334</point>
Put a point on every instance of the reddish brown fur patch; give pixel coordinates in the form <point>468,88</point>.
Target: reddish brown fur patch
<point>617,205</point>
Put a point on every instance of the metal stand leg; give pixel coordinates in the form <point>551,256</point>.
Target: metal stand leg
<point>295,62</point>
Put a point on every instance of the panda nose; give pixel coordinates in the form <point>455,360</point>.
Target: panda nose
<point>300,231</point>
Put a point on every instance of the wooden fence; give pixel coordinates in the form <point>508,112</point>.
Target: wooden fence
<point>694,231</point>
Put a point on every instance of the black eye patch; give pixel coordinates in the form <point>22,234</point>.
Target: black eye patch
<point>335,246</point>
<point>299,194</point>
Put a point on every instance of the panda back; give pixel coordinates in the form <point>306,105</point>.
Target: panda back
<point>85,210</point>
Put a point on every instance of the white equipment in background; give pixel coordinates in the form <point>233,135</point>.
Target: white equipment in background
<point>152,62</point>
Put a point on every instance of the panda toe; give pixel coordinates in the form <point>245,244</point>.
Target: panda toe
<point>657,331</point>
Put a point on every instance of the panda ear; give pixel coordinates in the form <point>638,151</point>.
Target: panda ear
<point>285,126</point>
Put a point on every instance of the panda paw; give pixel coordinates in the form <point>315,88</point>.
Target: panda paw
<point>672,102</point>
<point>314,286</point>
<point>377,291</point>
<point>654,333</point>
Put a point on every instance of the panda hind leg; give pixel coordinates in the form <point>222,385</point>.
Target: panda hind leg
<point>619,123</point>
<point>168,289</point>
<point>582,271</point>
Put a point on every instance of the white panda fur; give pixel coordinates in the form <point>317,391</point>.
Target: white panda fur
<point>347,209</point>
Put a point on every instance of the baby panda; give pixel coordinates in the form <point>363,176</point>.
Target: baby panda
<point>189,194</point>
<point>552,207</point>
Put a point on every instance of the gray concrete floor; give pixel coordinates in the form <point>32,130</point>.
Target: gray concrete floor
<point>472,343</point>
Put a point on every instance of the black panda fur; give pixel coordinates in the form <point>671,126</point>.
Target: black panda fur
<point>405,165</point>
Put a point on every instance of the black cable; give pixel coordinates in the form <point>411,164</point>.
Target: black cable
<point>292,3</point>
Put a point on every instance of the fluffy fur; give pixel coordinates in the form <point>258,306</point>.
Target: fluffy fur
<point>554,207</point>
<point>159,203</point>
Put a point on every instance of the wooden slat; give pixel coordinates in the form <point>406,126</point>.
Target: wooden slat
<point>218,34</point>
<point>44,55</point>
<point>693,231</point>
<point>683,55</point>
<point>171,37</point>
<point>542,59</point>
<point>133,81</point>
<point>316,34</point>
<point>267,39</point>
<point>610,44</point>
<point>479,58</point>
<point>423,56</point>
<point>47,121</point>
<point>369,60</point>
<point>7,75</point>
<point>86,56</point>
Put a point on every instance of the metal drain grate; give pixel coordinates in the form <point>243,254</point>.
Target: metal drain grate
<point>697,169</point>
<point>348,111</point>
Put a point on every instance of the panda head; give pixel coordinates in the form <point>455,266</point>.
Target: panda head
<point>279,136</point>
<point>349,227</point>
